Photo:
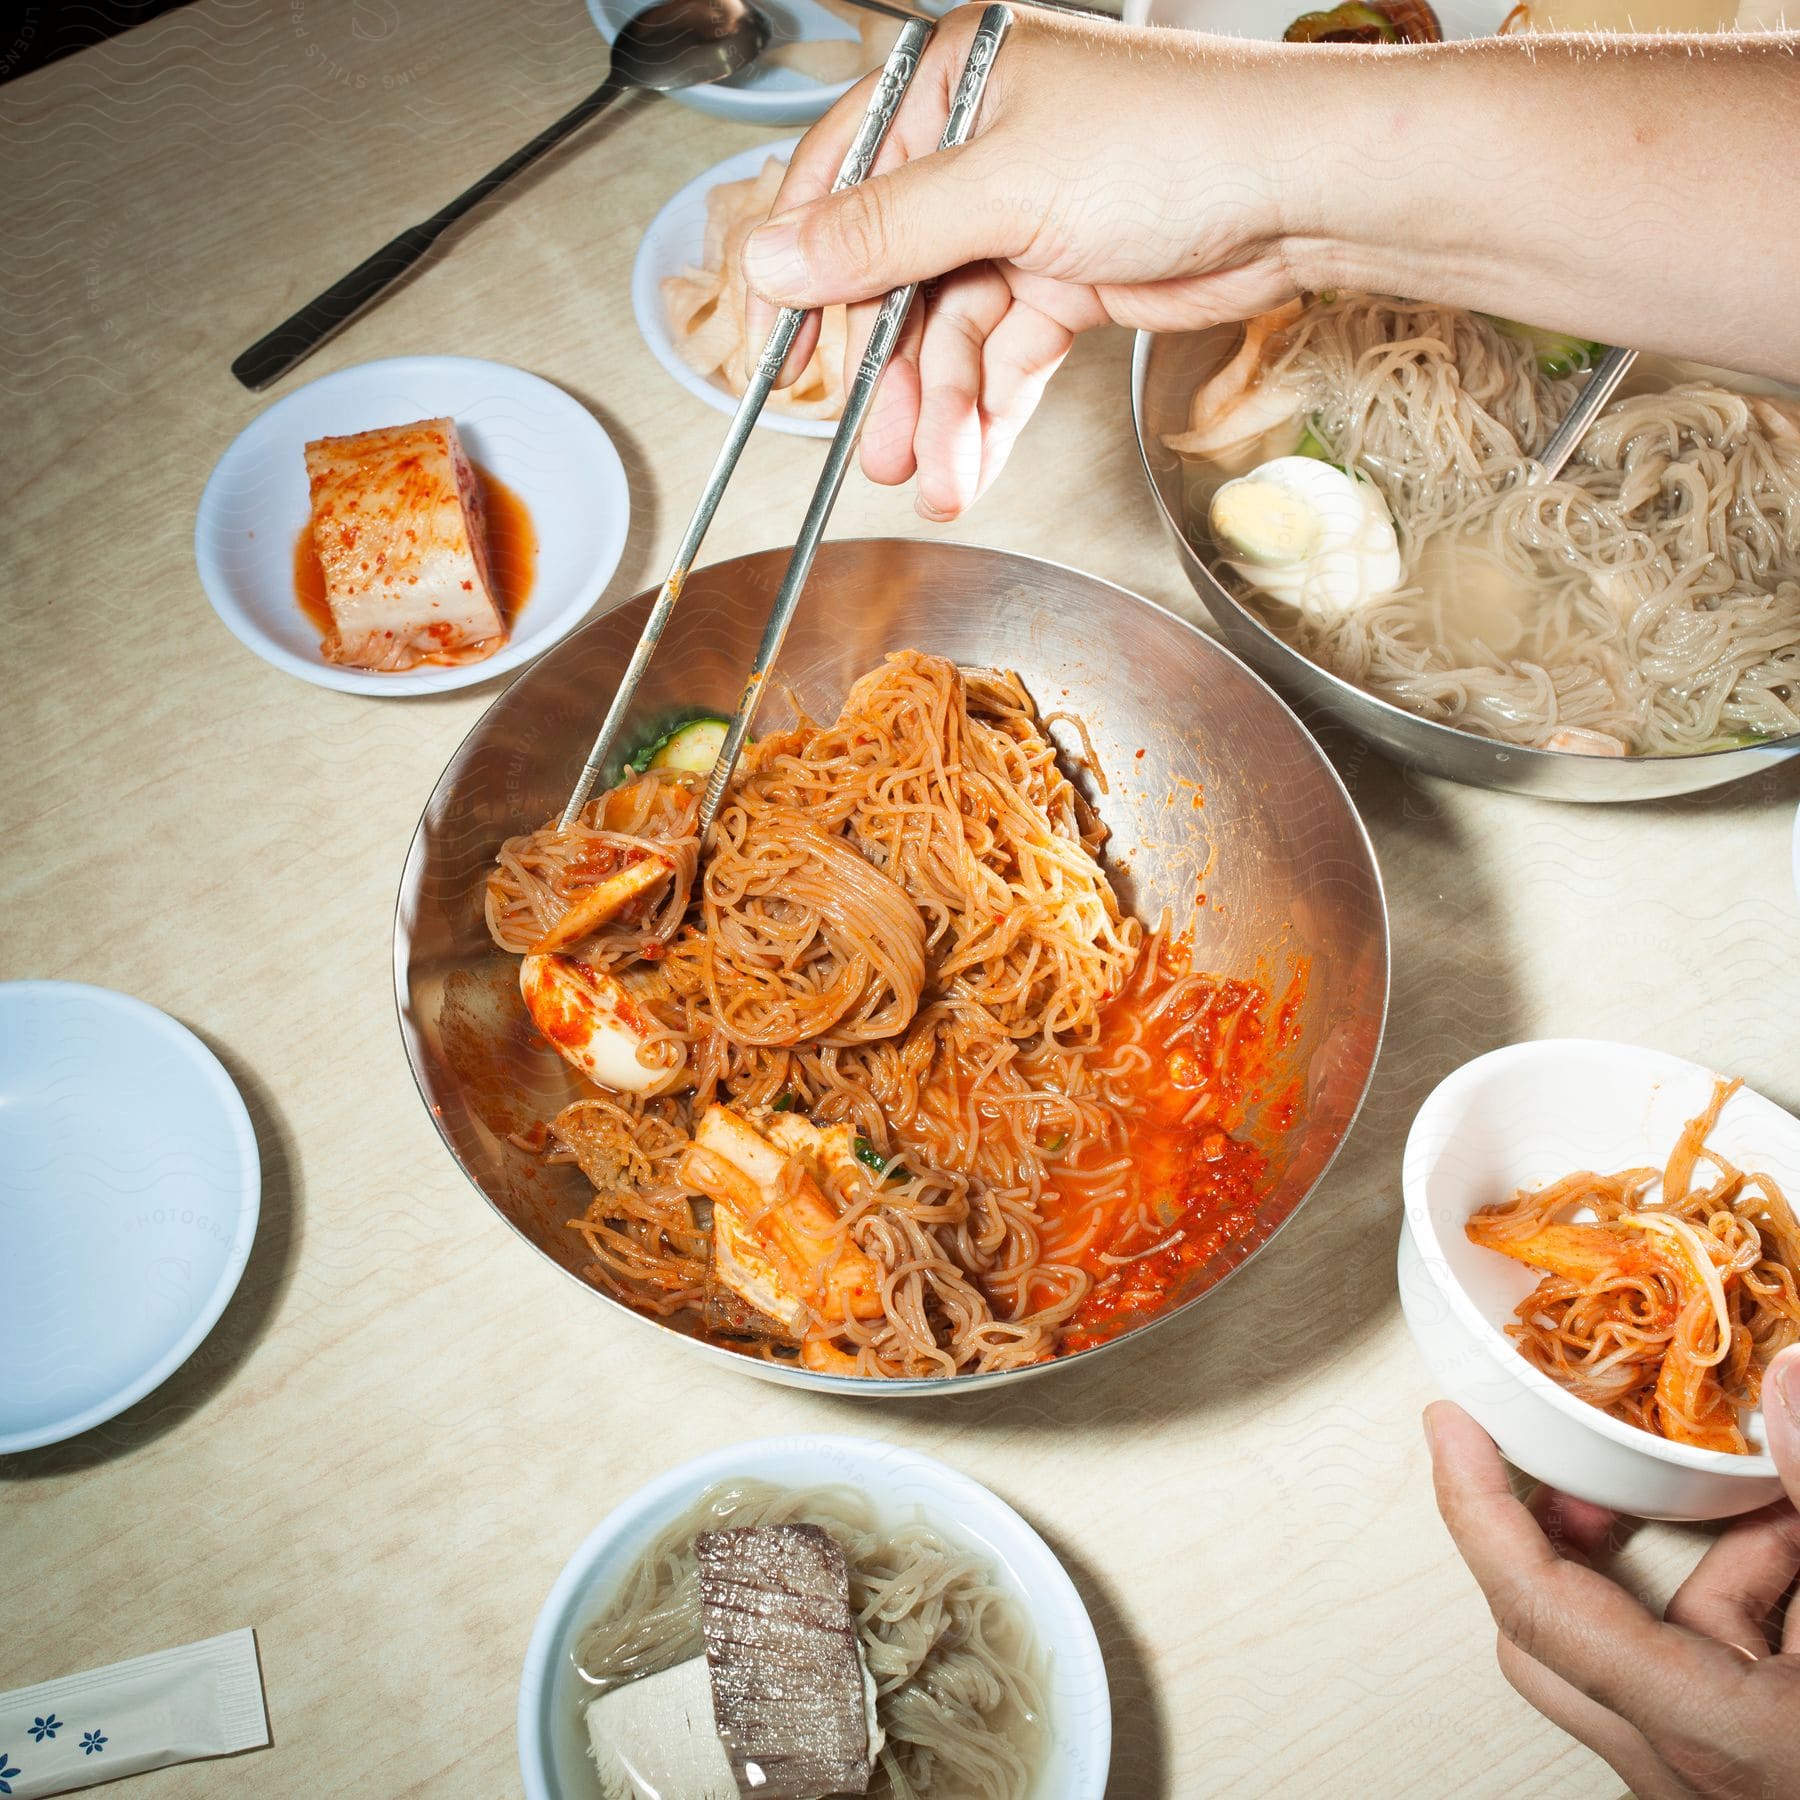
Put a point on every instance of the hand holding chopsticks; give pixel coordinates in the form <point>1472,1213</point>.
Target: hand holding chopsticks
<point>890,90</point>
<point>883,336</point>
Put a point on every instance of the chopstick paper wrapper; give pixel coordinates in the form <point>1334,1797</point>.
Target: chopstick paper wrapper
<point>175,1706</point>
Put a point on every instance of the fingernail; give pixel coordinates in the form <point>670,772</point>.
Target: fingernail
<point>931,514</point>
<point>1784,1377</point>
<point>772,257</point>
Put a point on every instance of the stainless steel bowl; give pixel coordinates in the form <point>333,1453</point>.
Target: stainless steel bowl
<point>1165,371</point>
<point>1212,781</point>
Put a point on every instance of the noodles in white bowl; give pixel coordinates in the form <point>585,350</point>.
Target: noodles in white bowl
<point>958,1676</point>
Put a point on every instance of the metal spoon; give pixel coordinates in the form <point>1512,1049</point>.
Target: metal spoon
<point>673,44</point>
<point>1609,371</point>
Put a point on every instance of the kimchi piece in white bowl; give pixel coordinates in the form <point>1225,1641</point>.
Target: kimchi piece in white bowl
<point>549,501</point>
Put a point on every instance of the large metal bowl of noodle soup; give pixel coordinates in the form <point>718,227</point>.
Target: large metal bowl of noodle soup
<point>1349,483</point>
<point>1030,981</point>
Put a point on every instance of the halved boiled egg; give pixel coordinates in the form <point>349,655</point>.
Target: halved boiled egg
<point>595,1025</point>
<point>1307,533</point>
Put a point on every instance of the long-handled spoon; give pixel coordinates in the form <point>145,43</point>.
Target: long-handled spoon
<point>673,44</point>
<point>1609,371</point>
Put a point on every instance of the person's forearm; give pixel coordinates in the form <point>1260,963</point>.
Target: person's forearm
<point>1636,192</point>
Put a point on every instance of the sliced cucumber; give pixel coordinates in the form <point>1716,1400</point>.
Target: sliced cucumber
<point>691,748</point>
<point>1558,353</point>
<point>1311,444</point>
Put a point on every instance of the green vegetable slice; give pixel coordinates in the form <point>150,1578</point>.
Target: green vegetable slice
<point>871,1158</point>
<point>691,748</point>
<point>1558,352</point>
<point>1311,444</point>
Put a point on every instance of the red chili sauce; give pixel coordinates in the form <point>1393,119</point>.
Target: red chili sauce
<point>1199,1184</point>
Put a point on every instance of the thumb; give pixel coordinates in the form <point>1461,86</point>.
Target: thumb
<point>1781,1417</point>
<point>923,219</point>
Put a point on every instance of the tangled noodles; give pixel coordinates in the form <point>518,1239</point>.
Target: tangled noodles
<point>1663,1313</point>
<point>1647,601</point>
<point>912,1094</point>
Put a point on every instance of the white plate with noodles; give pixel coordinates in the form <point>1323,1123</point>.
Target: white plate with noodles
<point>1550,1187</point>
<point>817,48</point>
<point>997,1643</point>
<point>688,294</point>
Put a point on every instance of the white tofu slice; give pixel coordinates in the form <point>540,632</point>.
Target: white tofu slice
<point>655,1739</point>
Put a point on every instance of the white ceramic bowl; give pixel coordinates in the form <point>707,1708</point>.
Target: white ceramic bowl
<point>674,241</point>
<point>545,446</point>
<point>1520,1117</point>
<point>902,1484</point>
<point>764,93</point>
<point>129,1190</point>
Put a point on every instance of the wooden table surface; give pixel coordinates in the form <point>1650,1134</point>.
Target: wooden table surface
<point>404,1421</point>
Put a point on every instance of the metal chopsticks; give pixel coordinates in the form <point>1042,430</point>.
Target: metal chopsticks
<point>1609,371</point>
<point>996,21</point>
<point>896,76</point>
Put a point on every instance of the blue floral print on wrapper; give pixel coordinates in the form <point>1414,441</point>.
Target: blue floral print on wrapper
<point>45,1728</point>
<point>8,1769</point>
<point>92,1742</point>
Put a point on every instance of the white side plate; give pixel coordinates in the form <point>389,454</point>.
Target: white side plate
<point>675,240</point>
<point>546,447</point>
<point>129,1190</point>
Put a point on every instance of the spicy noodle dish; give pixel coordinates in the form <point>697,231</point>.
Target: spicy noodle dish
<point>886,1082</point>
<point>1660,1308</point>
<point>1363,468</point>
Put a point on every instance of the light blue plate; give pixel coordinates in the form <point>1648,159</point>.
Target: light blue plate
<point>129,1189</point>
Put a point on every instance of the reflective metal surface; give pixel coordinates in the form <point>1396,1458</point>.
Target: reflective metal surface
<point>1213,784</point>
<point>1165,370</point>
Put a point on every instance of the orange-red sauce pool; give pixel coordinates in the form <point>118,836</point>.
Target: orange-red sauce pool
<point>1211,1055</point>
<point>512,545</point>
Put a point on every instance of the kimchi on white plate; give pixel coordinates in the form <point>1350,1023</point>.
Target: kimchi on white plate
<point>556,510</point>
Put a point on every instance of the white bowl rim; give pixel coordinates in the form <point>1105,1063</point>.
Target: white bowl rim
<point>1079,1650</point>
<point>522,647</point>
<point>222,1090</point>
<point>653,316</point>
<point>1659,1065</point>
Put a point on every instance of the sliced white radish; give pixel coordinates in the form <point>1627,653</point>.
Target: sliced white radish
<point>597,1026</point>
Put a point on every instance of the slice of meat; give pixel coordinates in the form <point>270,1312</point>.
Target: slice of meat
<point>398,526</point>
<point>788,1682</point>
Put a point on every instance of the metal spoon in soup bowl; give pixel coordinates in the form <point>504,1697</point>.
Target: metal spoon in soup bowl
<point>673,44</point>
